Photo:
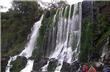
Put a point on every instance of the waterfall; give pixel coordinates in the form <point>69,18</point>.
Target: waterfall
<point>67,39</point>
<point>67,46</point>
<point>27,52</point>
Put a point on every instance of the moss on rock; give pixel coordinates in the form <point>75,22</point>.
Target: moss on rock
<point>18,64</point>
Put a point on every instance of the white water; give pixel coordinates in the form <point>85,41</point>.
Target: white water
<point>44,68</point>
<point>28,67</point>
<point>67,53</point>
<point>27,52</point>
<point>65,38</point>
<point>68,33</point>
<point>64,48</point>
<point>9,65</point>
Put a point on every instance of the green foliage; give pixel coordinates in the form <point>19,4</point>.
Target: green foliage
<point>16,25</point>
<point>101,32</point>
<point>86,37</point>
<point>66,11</point>
<point>102,29</point>
<point>101,24</point>
<point>95,31</point>
<point>19,64</point>
<point>93,36</point>
<point>66,14</point>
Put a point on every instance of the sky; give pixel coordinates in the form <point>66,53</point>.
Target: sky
<point>69,1</point>
<point>7,3</point>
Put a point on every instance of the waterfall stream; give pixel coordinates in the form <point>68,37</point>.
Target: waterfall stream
<point>27,52</point>
<point>68,36</point>
<point>67,47</point>
<point>68,33</point>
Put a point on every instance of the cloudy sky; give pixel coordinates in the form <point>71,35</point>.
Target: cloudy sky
<point>7,3</point>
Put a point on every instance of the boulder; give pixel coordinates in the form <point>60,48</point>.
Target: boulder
<point>18,64</point>
<point>38,63</point>
<point>52,65</point>
<point>66,67</point>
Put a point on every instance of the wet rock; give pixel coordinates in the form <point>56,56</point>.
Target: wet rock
<point>75,66</point>
<point>70,67</point>
<point>94,57</point>
<point>86,8</point>
<point>66,67</point>
<point>47,14</point>
<point>52,65</point>
<point>4,62</point>
<point>37,18</point>
<point>38,63</point>
<point>18,64</point>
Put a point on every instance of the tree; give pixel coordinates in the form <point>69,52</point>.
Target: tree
<point>16,25</point>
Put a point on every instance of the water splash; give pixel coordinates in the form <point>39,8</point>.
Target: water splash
<point>9,61</point>
<point>28,67</point>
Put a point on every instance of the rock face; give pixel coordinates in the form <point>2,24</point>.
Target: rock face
<point>52,65</point>
<point>66,67</point>
<point>18,64</point>
<point>101,26</point>
<point>70,67</point>
<point>87,8</point>
<point>95,28</point>
<point>38,63</point>
<point>4,62</point>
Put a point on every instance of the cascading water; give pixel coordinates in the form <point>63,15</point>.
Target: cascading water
<point>27,52</point>
<point>68,33</point>
<point>58,44</point>
<point>67,39</point>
